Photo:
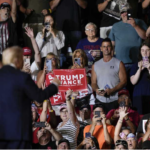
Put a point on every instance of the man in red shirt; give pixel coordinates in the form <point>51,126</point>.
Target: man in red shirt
<point>132,119</point>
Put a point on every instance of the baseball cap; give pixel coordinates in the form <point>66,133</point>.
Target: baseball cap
<point>27,51</point>
<point>122,142</point>
<point>64,140</point>
<point>123,7</point>
<point>146,145</point>
<point>5,4</point>
<point>62,106</point>
<point>124,91</point>
<point>85,106</point>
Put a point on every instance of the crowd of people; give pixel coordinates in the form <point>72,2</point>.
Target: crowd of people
<point>109,39</point>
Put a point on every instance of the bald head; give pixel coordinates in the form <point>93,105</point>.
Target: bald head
<point>13,55</point>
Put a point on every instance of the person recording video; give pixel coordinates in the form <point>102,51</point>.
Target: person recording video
<point>50,39</point>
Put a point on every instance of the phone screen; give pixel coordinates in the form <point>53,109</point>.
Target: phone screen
<point>27,61</point>
<point>87,134</point>
<point>129,14</point>
<point>122,104</point>
<point>77,60</point>
<point>49,65</point>
<point>97,114</point>
<point>39,124</point>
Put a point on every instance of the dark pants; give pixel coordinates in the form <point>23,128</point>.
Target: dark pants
<point>108,106</point>
<point>129,85</point>
<point>4,144</point>
<point>71,39</point>
<point>142,103</point>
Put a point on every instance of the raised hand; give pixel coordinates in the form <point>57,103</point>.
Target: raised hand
<point>103,116</point>
<point>47,126</point>
<point>95,119</point>
<point>29,32</point>
<point>140,65</point>
<point>122,112</point>
<point>68,94</point>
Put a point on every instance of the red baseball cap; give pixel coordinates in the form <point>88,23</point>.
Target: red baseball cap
<point>27,51</point>
<point>121,92</point>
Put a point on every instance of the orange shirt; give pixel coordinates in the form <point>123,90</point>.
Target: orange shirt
<point>99,134</point>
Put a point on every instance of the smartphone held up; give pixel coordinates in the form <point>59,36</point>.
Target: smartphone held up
<point>129,14</point>
<point>77,61</point>
<point>48,65</point>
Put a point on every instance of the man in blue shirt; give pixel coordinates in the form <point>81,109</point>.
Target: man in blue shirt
<point>127,36</point>
<point>91,44</point>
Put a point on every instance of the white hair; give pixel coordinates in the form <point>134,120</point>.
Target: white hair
<point>91,23</point>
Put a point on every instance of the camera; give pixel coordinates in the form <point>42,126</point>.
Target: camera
<point>47,25</point>
<point>122,104</point>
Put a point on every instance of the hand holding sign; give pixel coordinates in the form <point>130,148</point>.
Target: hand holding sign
<point>74,79</point>
<point>56,81</point>
<point>68,95</point>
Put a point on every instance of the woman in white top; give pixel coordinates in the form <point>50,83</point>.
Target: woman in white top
<point>50,39</point>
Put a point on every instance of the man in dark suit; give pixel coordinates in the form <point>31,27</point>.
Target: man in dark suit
<point>16,92</point>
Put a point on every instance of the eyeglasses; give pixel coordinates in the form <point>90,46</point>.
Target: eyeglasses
<point>92,30</point>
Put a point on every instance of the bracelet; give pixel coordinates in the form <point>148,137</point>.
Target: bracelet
<point>127,119</point>
<point>72,97</point>
<point>51,110</point>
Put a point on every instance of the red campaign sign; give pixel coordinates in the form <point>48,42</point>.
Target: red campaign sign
<point>74,79</point>
<point>59,98</point>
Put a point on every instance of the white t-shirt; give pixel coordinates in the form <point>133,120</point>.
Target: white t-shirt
<point>34,70</point>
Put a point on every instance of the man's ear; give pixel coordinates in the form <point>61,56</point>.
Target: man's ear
<point>101,48</point>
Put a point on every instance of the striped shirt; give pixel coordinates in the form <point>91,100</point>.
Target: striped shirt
<point>4,34</point>
<point>69,132</point>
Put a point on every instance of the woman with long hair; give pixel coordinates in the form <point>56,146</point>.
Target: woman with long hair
<point>50,39</point>
<point>42,74</point>
<point>140,78</point>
